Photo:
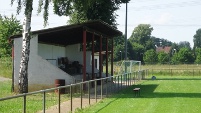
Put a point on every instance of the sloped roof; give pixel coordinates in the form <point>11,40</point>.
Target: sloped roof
<point>72,34</point>
<point>165,49</point>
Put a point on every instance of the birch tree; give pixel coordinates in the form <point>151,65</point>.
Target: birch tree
<point>23,72</point>
<point>61,7</point>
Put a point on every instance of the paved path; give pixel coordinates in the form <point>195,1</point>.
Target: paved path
<point>65,107</point>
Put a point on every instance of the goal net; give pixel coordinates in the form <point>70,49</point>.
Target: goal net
<point>129,66</point>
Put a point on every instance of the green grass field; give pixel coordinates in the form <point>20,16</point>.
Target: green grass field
<point>34,102</point>
<point>6,67</point>
<point>178,94</point>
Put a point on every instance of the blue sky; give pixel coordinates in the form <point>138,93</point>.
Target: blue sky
<point>174,20</point>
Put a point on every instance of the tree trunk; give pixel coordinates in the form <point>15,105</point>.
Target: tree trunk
<point>23,72</point>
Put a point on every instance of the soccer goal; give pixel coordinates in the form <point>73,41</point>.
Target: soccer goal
<point>129,66</point>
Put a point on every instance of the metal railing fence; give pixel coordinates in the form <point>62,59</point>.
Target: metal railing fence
<point>176,72</point>
<point>96,89</point>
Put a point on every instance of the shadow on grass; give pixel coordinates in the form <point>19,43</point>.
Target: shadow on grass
<point>147,91</point>
<point>106,105</point>
<point>173,78</point>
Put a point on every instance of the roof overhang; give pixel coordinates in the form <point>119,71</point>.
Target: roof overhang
<point>72,34</point>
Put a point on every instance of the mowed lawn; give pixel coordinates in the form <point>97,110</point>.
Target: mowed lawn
<point>180,94</point>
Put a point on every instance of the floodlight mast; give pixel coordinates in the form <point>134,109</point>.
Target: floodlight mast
<point>126,32</point>
<point>126,37</point>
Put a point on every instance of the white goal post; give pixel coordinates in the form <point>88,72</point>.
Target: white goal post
<point>129,66</point>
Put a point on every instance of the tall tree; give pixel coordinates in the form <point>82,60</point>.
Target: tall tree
<point>198,55</point>
<point>197,39</point>
<point>26,36</point>
<point>141,40</point>
<point>8,26</point>
<point>141,34</point>
<point>184,44</point>
<point>102,9</point>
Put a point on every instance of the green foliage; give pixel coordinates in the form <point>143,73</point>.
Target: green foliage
<point>119,46</point>
<point>136,51</point>
<point>184,44</point>
<point>185,56</point>
<point>175,59</point>
<point>100,10</point>
<point>150,56</point>
<point>8,26</point>
<point>161,42</point>
<point>6,67</point>
<point>141,41</point>
<point>163,57</point>
<point>141,34</point>
<point>198,55</point>
<point>197,39</point>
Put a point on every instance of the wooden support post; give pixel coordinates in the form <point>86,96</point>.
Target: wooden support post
<point>84,58</point>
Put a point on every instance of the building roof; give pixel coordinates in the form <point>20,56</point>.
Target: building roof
<point>72,34</point>
<point>165,49</point>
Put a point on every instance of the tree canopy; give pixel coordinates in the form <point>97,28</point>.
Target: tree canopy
<point>141,34</point>
<point>102,9</point>
<point>8,26</point>
<point>197,39</point>
<point>78,10</point>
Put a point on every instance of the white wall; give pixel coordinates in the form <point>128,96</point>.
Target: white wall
<point>73,54</point>
<point>41,74</point>
<point>51,52</point>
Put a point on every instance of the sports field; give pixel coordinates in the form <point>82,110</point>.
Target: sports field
<point>166,94</point>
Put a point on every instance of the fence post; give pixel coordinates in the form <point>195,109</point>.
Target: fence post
<point>106,87</point>
<point>71,99</point>
<point>126,80</point>
<point>81,95</point>
<point>193,72</point>
<point>118,83</point>
<point>171,72</point>
<point>44,100</point>
<point>89,92</point>
<point>96,90</point>
<point>101,88</point>
<point>59,99</point>
<point>24,103</point>
<point>114,83</point>
<point>121,81</point>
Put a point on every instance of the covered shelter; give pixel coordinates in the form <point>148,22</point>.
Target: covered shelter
<point>89,38</point>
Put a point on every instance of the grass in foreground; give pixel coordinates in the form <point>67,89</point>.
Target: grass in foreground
<point>34,102</point>
<point>180,94</point>
<point>6,67</point>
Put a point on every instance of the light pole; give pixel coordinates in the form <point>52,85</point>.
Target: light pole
<point>126,32</point>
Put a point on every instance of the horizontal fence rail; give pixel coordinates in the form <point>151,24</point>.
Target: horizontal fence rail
<point>172,72</point>
<point>95,89</point>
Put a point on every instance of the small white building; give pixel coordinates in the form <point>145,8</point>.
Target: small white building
<point>63,52</point>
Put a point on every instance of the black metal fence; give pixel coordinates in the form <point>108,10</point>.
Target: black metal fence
<point>92,89</point>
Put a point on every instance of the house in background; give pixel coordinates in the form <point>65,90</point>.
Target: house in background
<point>65,51</point>
<point>165,49</point>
